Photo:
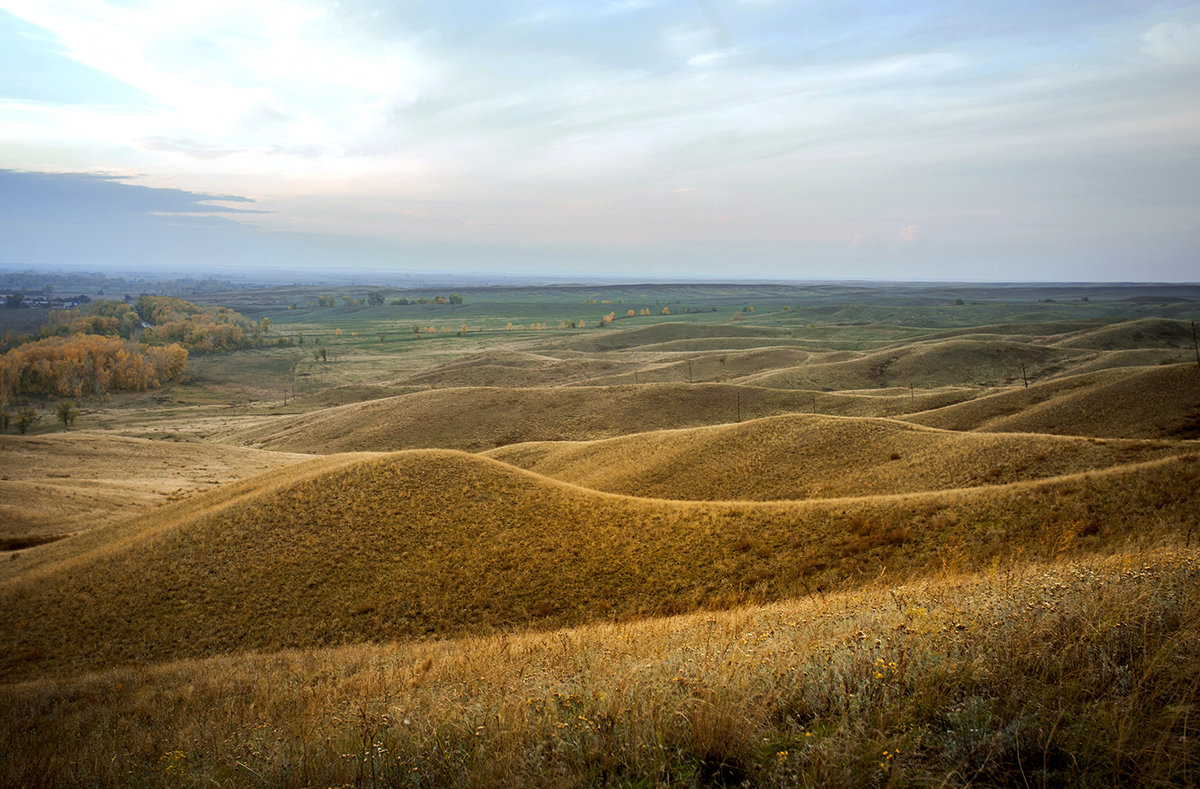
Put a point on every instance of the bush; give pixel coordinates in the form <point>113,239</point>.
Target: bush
<point>26,418</point>
<point>66,412</point>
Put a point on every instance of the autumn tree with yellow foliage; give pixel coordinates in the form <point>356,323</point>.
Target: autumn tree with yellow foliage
<point>87,364</point>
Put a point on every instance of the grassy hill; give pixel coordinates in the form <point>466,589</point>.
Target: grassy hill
<point>61,483</point>
<point>664,332</point>
<point>1150,333</point>
<point>478,418</point>
<point>425,543</point>
<point>953,362</point>
<point>1140,402</point>
<point>800,457</point>
<point>1079,672</point>
<point>723,365</point>
<point>508,368</point>
<point>855,551</point>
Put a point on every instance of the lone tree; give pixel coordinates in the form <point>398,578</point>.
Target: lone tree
<point>66,412</point>
<point>26,418</point>
<point>375,298</point>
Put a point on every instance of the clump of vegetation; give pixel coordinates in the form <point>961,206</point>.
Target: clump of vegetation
<point>27,417</point>
<point>161,320</point>
<point>66,412</point>
<point>86,364</point>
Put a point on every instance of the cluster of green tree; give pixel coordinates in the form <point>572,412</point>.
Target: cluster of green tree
<point>376,298</point>
<point>453,298</point>
<point>161,320</point>
<point>87,364</point>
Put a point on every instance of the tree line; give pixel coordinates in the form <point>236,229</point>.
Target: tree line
<point>87,365</point>
<point>110,346</point>
<point>161,320</point>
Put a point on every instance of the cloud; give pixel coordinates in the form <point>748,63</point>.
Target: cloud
<point>1173,42</point>
<point>89,199</point>
<point>908,234</point>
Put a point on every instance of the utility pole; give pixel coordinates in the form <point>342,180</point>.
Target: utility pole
<point>1024,376</point>
<point>1195,344</point>
<point>690,361</point>
<point>739,407</point>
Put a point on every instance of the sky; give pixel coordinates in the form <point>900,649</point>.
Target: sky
<point>726,139</point>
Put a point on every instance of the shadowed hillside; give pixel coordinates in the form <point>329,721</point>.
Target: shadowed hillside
<point>436,542</point>
<point>480,418</point>
<point>1145,402</point>
<point>799,457</point>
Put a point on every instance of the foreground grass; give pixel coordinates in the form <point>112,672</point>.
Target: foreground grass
<point>1072,672</point>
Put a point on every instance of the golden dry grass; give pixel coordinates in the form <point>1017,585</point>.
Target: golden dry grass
<point>63,483</point>
<point>944,608</point>
<point>660,333</point>
<point>436,542</point>
<point>1146,333</point>
<point>802,457</point>
<point>480,418</point>
<point>1139,402</point>
<point>512,368</point>
<point>1082,672</point>
<point>951,362</point>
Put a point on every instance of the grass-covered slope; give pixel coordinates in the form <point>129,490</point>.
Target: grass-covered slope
<point>61,483</point>
<point>950,362</point>
<point>1072,673</point>
<point>434,542</point>
<point>1144,333</point>
<point>1140,402</point>
<point>802,456</point>
<point>623,339</point>
<point>479,418</point>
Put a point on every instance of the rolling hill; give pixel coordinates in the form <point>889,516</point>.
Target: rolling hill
<point>62,483</point>
<point>1143,333</point>
<point>413,544</point>
<point>952,362</point>
<point>1162,401</point>
<point>479,418</point>
<point>802,456</point>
